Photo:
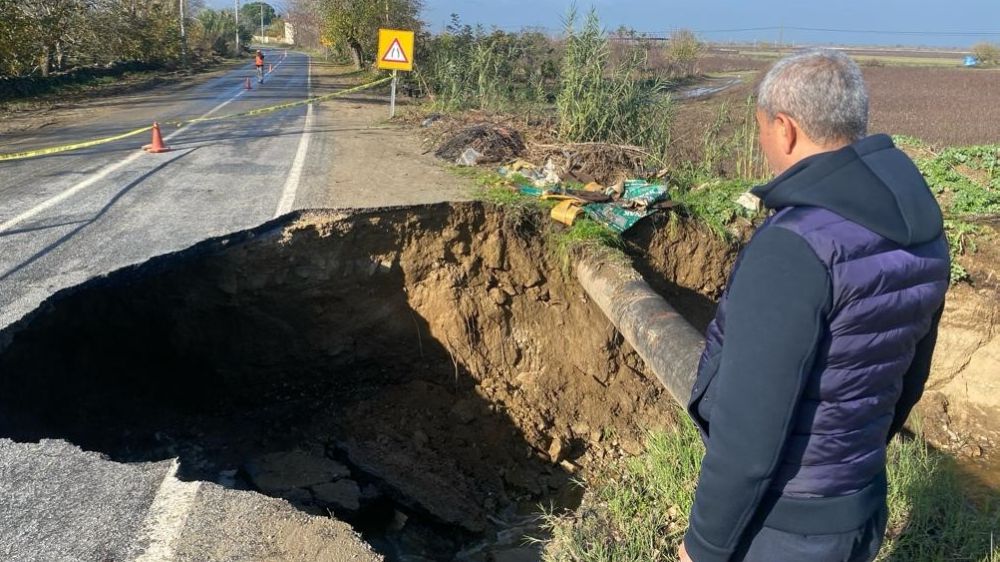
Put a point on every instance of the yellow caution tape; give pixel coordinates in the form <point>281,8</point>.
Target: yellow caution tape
<point>252,112</point>
<point>67,147</point>
<point>289,105</point>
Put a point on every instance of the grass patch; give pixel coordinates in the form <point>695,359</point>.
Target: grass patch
<point>962,239</point>
<point>637,510</point>
<point>586,235</point>
<point>931,514</point>
<point>713,202</point>
<point>966,179</point>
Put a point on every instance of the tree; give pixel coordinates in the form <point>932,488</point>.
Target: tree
<point>16,39</point>
<point>307,19</point>
<point>49,23</point>
<point>683,52</point>
<point>251,13</point>
<point>215,32</point>
<point>986,53</point>
<point>354,24</point>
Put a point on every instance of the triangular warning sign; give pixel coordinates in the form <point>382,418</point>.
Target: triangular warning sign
<point>395,53</point>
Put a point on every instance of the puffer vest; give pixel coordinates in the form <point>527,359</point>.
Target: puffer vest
<point>883,302</point>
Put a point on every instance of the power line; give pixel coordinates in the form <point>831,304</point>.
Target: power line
<point>870,31</point>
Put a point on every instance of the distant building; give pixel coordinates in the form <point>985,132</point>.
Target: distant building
<point>971,60</point>
<point>289,33</point>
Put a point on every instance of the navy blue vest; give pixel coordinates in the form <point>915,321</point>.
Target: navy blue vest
<point>884,300</point>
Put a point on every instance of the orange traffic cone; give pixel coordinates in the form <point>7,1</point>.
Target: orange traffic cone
<point>247,86</point>
<point>157,145</point>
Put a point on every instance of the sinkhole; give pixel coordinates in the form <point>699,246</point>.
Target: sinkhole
<point>431,375</point>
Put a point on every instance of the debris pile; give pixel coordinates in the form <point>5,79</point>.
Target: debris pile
<point>482,143</point>
<point>596,162</point>
<point>619,206</point>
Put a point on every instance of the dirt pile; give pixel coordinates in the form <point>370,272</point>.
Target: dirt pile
<point>493,143</point>
<point>428,374</point>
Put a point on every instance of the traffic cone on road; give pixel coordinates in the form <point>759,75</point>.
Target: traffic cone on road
<point>247,86</point>
<point>157,145</point>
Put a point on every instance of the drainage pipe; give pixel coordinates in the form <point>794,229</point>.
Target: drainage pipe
<point>667,343</point>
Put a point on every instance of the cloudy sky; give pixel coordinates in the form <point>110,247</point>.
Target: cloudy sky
<point>885,22</point>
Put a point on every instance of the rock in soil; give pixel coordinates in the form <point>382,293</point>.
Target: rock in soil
<point>557,450</point>
<point>342,494</point>
<point>278,473</point>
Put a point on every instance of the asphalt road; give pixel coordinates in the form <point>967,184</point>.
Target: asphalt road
<point>67,217</point>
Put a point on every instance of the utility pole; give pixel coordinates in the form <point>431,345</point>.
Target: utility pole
<point>262,38</point>
<point>236,12</point>
<point>180,7</point>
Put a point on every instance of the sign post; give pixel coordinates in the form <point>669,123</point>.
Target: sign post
<point>392,96</point>
<point>395,53</point>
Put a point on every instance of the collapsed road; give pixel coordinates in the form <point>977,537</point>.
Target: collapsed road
<point>404,370</point>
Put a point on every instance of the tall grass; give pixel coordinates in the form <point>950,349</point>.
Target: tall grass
<point>471,68</point>
<point>598,102</point>
<point>730,146</point>
<point>638,510</point>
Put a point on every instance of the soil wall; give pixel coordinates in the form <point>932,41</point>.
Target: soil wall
<point>690,265</point>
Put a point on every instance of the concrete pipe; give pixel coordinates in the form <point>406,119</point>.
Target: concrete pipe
<point>667,343</point>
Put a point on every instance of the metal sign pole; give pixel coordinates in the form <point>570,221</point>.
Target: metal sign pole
<point>392,97</point>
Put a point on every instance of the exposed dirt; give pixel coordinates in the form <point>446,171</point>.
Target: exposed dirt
<point>962,402</point>
<point>439,353</point>
<point>960,411</point>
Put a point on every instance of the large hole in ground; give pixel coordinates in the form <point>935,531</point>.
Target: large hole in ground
<point>430,375</point>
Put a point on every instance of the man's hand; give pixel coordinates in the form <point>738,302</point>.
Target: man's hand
<point>682,553</point>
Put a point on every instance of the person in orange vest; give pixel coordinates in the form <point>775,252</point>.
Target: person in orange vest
<point>259,62</point>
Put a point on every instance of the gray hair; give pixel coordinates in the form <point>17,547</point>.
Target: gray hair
<point>823,90</point>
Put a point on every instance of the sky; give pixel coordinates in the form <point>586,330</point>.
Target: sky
<point>958,23</point>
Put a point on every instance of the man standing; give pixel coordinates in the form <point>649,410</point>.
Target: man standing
<point>823,339</point>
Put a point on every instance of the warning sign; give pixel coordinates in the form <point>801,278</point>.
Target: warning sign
<point>395,53</point>
<point>395,49</point>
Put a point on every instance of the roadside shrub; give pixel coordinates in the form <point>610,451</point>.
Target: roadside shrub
<point>987,53</point>
<point>682,52</point>
<point>615,105</point>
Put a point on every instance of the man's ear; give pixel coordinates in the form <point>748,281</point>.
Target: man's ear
<point>787,132</point>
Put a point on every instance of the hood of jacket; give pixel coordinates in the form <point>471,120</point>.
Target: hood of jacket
<point>870,182</point>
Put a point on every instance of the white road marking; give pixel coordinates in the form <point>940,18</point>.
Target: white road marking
<point>98,176</point>
<point>295,173</point>
<point>173,503</point>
